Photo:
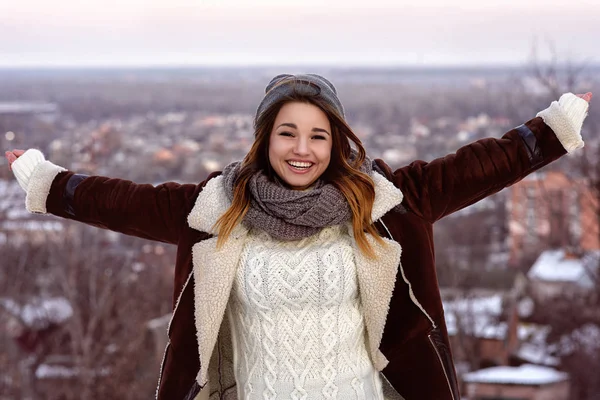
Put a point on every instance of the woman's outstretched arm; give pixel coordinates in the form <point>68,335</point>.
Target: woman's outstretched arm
<point>480,169</point>
<point>143,210</point>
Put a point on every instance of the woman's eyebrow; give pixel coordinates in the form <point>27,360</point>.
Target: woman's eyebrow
<point>292,125</point>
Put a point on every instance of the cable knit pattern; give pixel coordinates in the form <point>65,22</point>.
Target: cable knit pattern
<point>297,323</point>
<point>565,117</point>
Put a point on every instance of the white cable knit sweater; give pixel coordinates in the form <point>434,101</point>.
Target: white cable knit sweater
<point>297,325</point>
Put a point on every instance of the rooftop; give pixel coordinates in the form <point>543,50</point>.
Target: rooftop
<point>559,266</point>
<point>526,374</point>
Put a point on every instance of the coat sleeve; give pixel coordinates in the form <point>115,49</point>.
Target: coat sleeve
<point>143,210</point>
<point>447,184</point>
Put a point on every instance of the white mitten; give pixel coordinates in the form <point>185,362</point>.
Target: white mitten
<point>24,166</point>
<point>565,117</point>
<point>575,108</point>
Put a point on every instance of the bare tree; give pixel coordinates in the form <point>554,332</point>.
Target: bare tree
<point>101,349</point>
<point>574,317</point>
<point>558,74</point>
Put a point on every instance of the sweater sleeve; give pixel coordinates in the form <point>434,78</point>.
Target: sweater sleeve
<point>143,210</point>
<point>447,184</point>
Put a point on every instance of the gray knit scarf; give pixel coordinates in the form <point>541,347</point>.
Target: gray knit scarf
<point>288,214</point>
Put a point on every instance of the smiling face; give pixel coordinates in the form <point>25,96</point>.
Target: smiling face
<point>300,144</point>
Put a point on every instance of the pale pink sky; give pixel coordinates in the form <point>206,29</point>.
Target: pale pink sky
<point>252,32</point>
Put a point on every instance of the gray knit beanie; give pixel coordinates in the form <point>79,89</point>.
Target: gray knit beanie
<point>307,84</point>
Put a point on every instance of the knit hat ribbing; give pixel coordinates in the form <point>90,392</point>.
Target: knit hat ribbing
<point>307,84</point>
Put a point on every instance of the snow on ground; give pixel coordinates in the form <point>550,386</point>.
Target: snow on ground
<point>585,338</point>
<point>535,354</point>
<point>477,316</point>
<point>39,312</point>
<point>45,371</point>
<point>524,375</point>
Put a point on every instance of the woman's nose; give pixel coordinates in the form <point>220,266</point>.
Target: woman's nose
<point>301,146</point>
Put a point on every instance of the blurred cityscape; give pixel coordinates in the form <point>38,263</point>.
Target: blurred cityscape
<point>83,312</point>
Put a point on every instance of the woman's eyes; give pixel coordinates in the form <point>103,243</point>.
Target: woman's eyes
<point>289,134</point>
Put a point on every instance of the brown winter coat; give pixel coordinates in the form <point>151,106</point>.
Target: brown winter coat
<point>413,349</point>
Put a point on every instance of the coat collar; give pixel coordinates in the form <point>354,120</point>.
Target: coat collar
<point>213,202</point>
<point>214,270</point>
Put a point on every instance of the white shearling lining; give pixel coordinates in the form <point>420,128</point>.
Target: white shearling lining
<point>387,196</point>
<point>212,202</point>
<point>376,280</point>
<point>40,183</point>
<point>214,272</point>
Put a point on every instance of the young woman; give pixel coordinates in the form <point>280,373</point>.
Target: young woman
<point>306,271</point>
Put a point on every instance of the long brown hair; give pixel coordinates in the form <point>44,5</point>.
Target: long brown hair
<point>356,186</point>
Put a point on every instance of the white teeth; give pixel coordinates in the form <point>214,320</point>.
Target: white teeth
<point>298,164</point>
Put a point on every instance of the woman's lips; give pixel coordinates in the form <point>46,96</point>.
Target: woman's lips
<point>299,171</point>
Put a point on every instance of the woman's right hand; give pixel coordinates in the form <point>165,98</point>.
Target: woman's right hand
<point>11,156</point>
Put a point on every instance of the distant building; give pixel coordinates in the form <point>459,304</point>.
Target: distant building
<point>29,323</point>
<point>485,330</point>
<point>479,332</point>
<point>549,209</point>
<point>25,329</point>
<point>18,226</point>
<point>560,273</point>
<point>527,382</point>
